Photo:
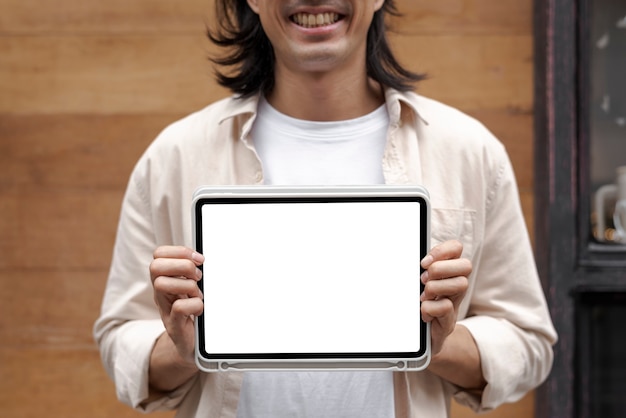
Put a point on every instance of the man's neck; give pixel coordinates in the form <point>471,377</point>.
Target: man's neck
<point>325,97</point>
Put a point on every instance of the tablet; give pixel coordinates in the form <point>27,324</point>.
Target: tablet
<point>311,277</point>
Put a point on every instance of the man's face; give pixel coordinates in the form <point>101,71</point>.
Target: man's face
<point>317,36</point>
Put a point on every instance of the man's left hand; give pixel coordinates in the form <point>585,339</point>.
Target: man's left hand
<point>445,283</point>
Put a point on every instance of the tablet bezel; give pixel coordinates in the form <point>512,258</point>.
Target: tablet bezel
<point>290,195</point>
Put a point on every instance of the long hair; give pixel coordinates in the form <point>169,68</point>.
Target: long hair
<point>251,55</point>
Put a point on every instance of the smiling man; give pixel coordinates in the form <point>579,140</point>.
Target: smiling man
<point>319,99</point>
<point>320,68</point>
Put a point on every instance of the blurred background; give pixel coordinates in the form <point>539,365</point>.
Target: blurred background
<point>86,85</point>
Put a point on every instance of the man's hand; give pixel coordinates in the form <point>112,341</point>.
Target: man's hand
<point>455,356</point>
<point>445,284</point>
<point>174,273</point>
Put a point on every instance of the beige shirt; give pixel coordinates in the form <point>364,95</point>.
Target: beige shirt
<point>474,199</point>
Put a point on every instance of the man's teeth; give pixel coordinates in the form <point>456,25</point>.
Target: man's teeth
<point>313,21</point>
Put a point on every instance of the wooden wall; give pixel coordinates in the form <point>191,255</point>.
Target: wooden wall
<point>86,85</point>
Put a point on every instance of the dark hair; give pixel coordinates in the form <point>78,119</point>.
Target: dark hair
<point>252,56</point>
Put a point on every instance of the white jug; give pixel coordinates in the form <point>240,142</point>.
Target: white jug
<point>613,192</point>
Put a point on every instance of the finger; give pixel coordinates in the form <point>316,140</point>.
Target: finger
<point>454,288</point>
<point>182,314</point>
<point>174,267</point>
<point>173,288</point>
<point>447,250</point>
<point>447,268</point>
<point>442,319</point>
<point>172,251</point>
<point>183,309</point>
<point>437,309</point>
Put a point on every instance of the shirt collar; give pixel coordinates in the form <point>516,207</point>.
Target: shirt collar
<point>241,106</point>
<point>397,102</point>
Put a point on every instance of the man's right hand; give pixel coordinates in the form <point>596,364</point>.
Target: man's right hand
<point>174,273</point>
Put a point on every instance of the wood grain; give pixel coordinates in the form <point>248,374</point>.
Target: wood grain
<point>466,17</point>
<point>477,72</point>
<point>77,17</point>
<point>69,383</point>
<point>105,75</point>
<point>70,188</point>
<point>56,308</point>
<point>63,230</point>
<point>85,152</point>
<point>85,86</point>
<point>157,16</point>
<point>165,74</point>
<point>98,151</point>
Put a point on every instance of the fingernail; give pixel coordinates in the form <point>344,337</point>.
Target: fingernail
<point>424,277</point>
<point>427,261</point>
<point>198,273</point>
<point>197,257</point>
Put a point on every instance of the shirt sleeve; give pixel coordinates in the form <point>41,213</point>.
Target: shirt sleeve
<point>508,315</point>
<point>129,322</point>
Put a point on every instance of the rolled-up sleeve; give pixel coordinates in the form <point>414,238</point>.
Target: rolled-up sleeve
<point>513,361</point>
<point>129,323</point>
<point>508,315</point>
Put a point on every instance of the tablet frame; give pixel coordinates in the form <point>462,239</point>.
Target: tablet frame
<point>411,361</point>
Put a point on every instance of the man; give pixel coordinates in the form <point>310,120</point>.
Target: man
<point>320,99</point>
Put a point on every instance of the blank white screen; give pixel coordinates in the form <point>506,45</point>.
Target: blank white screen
<point>311,277</point>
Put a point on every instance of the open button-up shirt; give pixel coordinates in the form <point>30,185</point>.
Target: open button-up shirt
<point>474,199</point>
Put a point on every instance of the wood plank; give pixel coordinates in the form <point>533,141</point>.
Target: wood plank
<point>9,233</point>
<point>478,72</point>
<point>86,152</point>
<point>160,16</point>
<point>78,156</point>
<point>112,16</point>
<point>58,229</point>
<point>41,382</point>
<point>61,308</point>
<point>38,383</point>
<point>143,74</point>
<point>105,75</point>
<point>61,185</point>
<point>93,151</point>
<point>467,17</point>
<point>87,85</point>
<point>55,236</point>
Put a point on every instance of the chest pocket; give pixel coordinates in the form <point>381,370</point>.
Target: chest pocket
<point>458,224</point>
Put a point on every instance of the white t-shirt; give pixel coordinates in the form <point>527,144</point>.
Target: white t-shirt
<point>300,152</point>
<point>295,151</point>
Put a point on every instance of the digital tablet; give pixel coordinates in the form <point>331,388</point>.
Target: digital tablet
<point>311,277</point>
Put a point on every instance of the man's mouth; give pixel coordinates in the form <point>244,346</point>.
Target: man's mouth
<point>307,20</point>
